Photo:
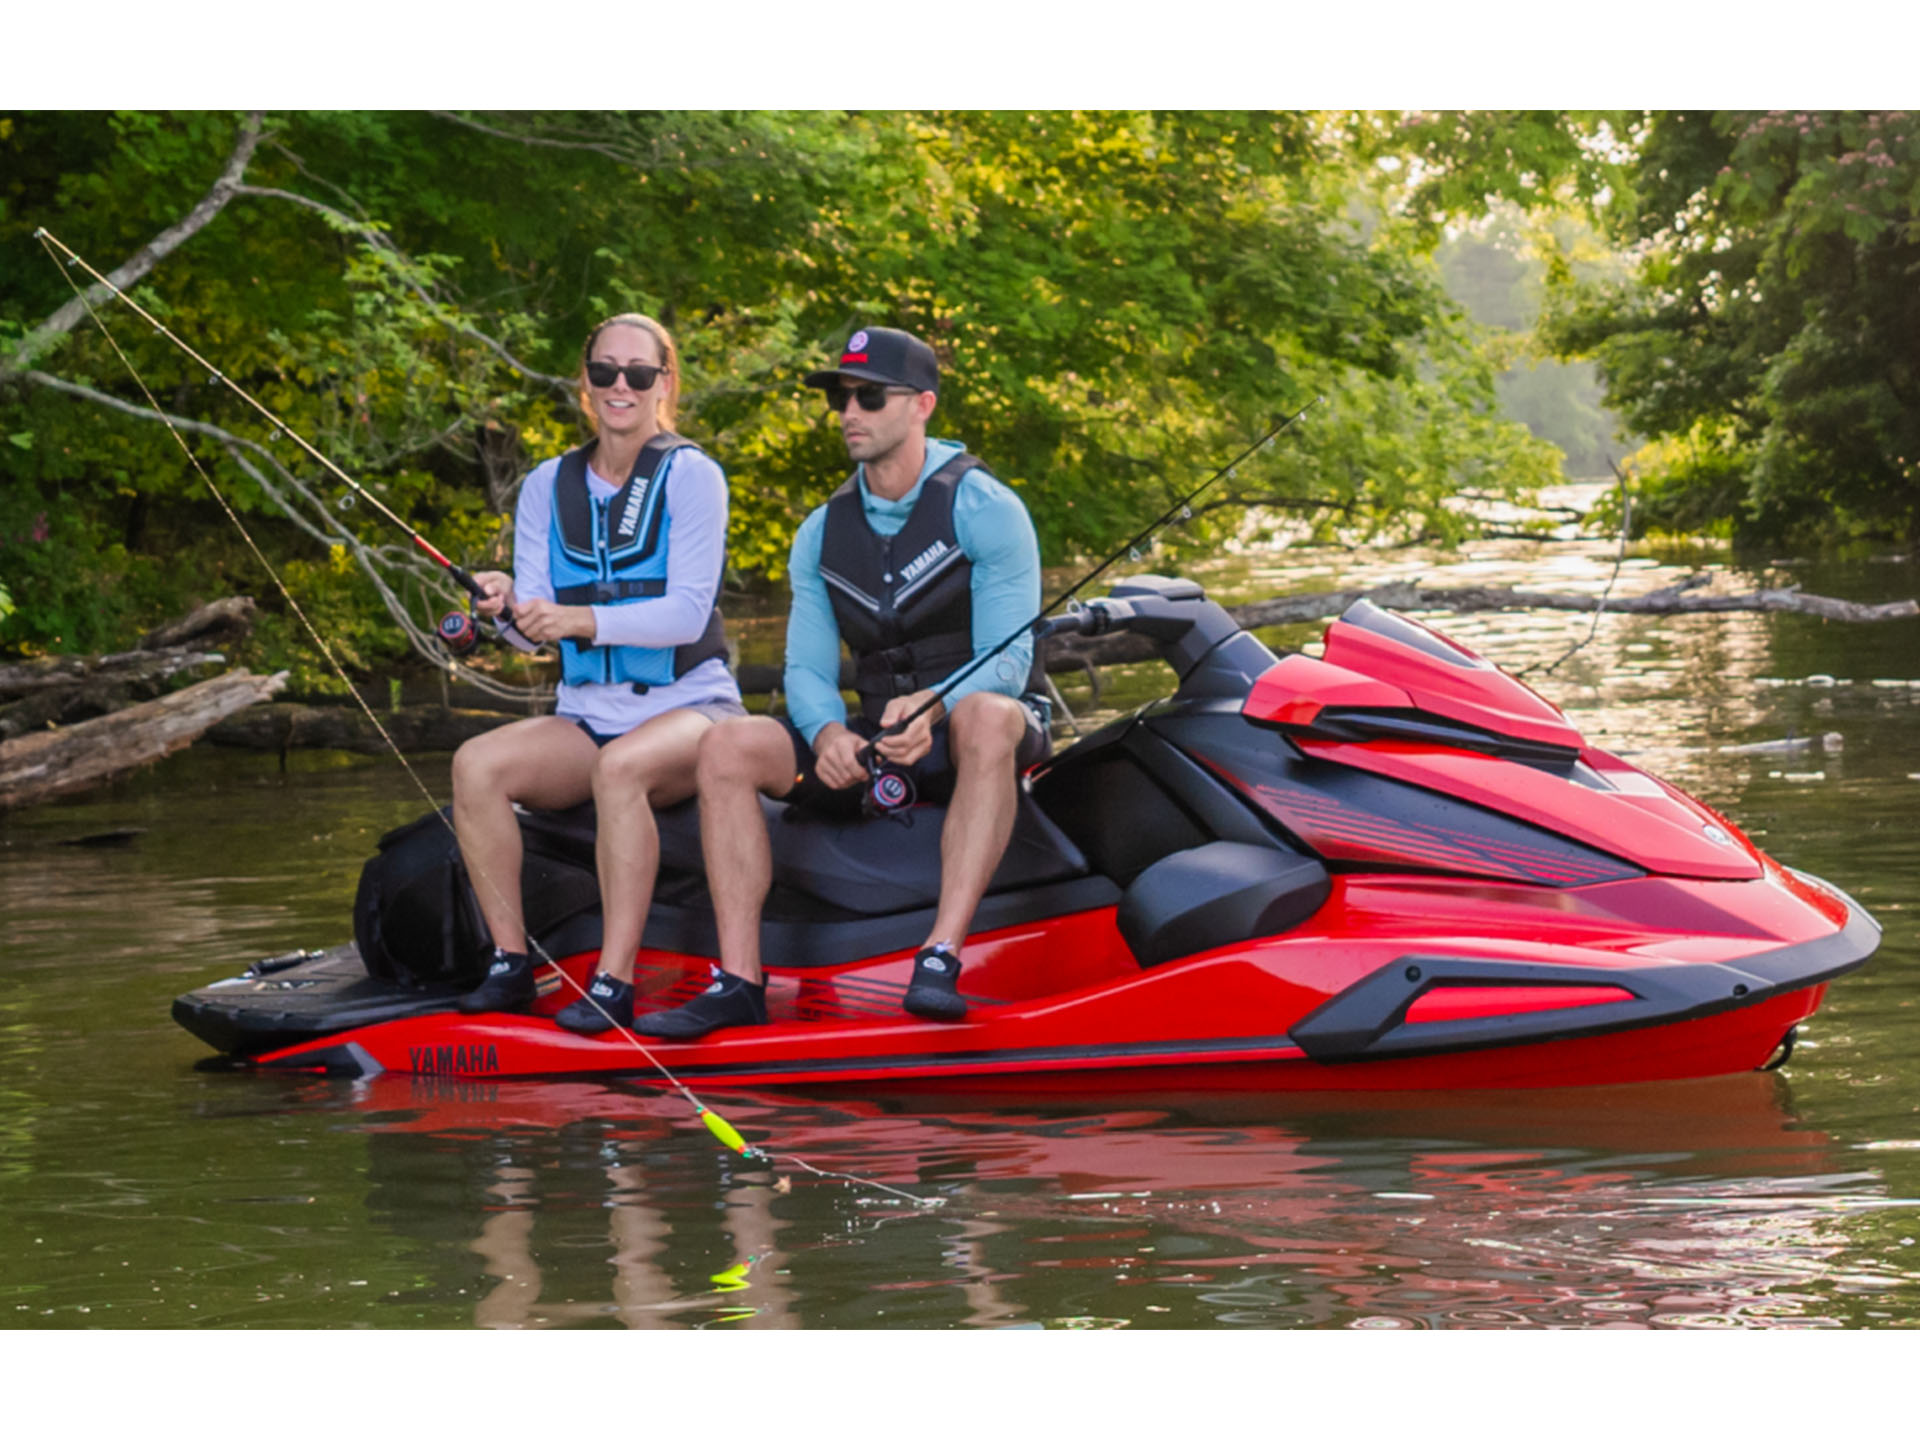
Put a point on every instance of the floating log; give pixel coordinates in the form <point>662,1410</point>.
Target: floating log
<point>51,763</point>
<point>89,687</point>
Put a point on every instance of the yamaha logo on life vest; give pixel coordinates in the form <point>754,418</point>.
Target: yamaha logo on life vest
<point>916,566</point>
<point>636,503</point>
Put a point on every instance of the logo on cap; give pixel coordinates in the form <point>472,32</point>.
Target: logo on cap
<point>858,342</point>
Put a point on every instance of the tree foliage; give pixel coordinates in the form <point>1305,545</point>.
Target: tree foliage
<point>1768,337</point>
<point>1120,301</point>
<point>1773,336</point>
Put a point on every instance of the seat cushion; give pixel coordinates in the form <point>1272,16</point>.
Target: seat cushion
<point>878,866</point>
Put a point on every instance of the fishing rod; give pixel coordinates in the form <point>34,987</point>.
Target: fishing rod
<point>889,791</point>
<point>455,630</point>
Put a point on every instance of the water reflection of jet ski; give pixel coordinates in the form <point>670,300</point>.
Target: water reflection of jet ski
<point>1392,867</point>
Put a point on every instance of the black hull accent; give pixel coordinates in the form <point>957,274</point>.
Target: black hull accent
<point>1367,1021</point>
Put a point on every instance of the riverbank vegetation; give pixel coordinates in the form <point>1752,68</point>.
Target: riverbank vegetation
<point>1119,300</point>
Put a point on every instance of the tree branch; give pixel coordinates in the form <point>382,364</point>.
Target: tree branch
<point>136,266</point>
<point>595,147</point>
<point>329,532</point>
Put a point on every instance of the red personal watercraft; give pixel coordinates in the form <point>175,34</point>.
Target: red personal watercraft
<point>1392,867</point>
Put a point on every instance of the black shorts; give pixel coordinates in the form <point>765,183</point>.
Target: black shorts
<point>932,774</point>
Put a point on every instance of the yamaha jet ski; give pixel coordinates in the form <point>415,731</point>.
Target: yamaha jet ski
<point>1390,867</point>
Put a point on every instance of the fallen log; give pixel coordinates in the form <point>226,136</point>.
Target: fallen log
<point>416,729</point>
<point>67,689</point>
<point>228,618</point>
<point>96,686</point>
<point>66,672</point>
<point>1074,652</point>
<point>51,763</point>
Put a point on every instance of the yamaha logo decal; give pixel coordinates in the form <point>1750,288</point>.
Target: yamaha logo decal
<point>858,342</point>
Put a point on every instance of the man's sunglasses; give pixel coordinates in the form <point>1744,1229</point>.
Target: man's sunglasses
<point>872,396</point>
<point>602,373</point>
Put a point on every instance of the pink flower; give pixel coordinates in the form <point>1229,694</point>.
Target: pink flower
<point>40,530</point>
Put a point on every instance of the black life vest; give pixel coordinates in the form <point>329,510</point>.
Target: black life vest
<point>903,602</point>
<point>614,553</point>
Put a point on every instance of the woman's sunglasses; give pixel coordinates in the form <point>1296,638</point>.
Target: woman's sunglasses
<point>872,396</point>
<point>602,373</point>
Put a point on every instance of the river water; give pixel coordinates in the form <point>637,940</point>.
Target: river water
<point>138,1191</point>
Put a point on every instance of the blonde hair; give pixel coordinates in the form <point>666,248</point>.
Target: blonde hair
<point>666,389</point>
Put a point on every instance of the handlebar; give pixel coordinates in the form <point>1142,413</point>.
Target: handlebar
<point>1096,617</point>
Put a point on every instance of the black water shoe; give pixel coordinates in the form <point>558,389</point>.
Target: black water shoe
<point>729,1000</point>
<point>508,986</point>
<point>609,1002</point>
<point>934,991</point>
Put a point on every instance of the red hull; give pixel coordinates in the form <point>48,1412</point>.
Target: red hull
<point>1394,868</point>
<point>1063,1007</point>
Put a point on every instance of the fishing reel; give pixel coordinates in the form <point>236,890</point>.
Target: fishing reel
<point>889,792</point>
<point>458,633</point>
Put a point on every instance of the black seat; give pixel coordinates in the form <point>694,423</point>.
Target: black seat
<point>879,866</point>
<point>858,866</point>
<point>842,888</point>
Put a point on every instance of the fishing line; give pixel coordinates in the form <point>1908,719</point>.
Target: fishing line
<point>716,1124</point>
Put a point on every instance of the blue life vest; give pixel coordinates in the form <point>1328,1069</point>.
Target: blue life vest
<point>614,552</point>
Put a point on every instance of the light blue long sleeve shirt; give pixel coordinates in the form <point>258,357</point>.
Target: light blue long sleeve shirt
<point>996,533</point>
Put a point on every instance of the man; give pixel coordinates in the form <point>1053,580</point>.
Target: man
<point>920,562</point>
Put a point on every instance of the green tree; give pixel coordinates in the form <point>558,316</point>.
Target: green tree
<point>1121,300</point>
<point>1771,339</point>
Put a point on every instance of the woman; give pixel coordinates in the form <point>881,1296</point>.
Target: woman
<point>618,549</point>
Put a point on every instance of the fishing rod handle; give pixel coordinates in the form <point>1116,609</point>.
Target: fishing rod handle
<point>474,588</point>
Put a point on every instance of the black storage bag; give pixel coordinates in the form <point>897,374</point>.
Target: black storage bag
<point>415,917</point>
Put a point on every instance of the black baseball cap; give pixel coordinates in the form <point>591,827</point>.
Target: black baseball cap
<point>889,357</point>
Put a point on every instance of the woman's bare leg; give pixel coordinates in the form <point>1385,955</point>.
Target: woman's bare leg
<point>544,762</point>
<point>647,769</point>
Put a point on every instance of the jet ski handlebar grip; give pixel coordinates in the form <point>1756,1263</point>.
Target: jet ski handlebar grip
<point>1097,617</point>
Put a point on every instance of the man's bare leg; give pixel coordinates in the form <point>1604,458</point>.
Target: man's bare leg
<point>984,742</point>
<point>986,732</point>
